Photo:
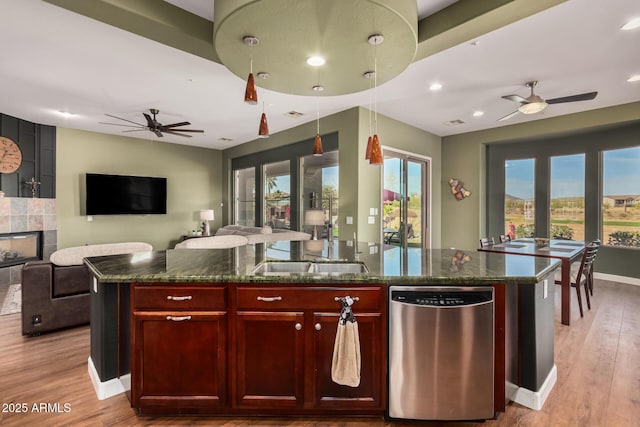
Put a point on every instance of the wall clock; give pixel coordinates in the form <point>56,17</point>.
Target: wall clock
<point>10,155</point>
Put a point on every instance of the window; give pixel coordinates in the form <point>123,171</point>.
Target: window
<point>277,195</point>
<point>320,187</point>
<point>621,197</point>
<point>519,198</point>
<point>566,207</point>
<point>245,197</point>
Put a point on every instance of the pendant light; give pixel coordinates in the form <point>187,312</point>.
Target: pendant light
<point>376,149</point>
<point>317,145</point>
<point>367,156</point>
<point>250,94</point>
<point>263,131</point>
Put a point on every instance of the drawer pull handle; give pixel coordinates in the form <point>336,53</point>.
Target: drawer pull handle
<point>298,326</point>
<point>178,318</point>
<point>185,298</point>
<point>269,299</point>
<point>318,326</point>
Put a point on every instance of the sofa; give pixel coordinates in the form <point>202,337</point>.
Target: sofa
<point>213,242</point>
<point>55,293</point>
<point>262,234</point>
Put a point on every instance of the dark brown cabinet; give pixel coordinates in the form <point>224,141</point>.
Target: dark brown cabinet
<point>179,348</point>
<point>245,349</point>
<point>285,339</point>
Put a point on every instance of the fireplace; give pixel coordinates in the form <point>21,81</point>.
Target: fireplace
<point>18,248</point>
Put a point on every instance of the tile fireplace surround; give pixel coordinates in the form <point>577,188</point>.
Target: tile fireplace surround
<point>18,214</point>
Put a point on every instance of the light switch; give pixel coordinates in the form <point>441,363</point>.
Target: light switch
<point>349,220</point>
<point>372,211</point>
<point>545,289</point>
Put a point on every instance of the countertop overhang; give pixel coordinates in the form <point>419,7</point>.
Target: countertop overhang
<point>386,264</point>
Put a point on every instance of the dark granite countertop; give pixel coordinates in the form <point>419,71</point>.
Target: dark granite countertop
<point>386,264</point>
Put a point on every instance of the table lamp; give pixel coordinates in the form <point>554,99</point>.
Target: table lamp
<point>314,217</point>
<point>206,215</point>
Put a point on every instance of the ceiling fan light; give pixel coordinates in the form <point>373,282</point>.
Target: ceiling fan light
<point>532,107</point>
<point>263,131</point>
<point>250,94</point>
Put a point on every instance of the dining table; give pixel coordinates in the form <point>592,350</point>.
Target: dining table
<point>567,251</point>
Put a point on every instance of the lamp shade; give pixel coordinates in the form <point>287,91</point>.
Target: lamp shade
<point>206,215</point>
<point>250,94</point>
<point>367,155</point>
<point>376,151</point>
<point>314,217</point>
<point>263,131</point>
<point>533,107</point>
<point>317,146</point>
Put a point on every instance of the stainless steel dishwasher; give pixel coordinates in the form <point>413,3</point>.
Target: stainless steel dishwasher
<point>441,352</point>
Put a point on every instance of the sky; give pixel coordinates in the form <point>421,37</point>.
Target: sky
<point>621,172</point>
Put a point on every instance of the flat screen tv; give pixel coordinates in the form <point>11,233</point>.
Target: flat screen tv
<point>125,195</point>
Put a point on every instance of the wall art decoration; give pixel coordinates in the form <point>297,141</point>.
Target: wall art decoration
<point>458,190</point>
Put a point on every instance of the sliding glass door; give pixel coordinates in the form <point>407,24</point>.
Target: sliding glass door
<point>404,196</point>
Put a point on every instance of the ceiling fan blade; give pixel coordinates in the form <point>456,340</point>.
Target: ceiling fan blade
<point>573,98</point>
<point>120,118</point>
<point>182,130</point>
<point>136,130</point>
<point>508,116</point>
<point>119,124</point>
<point>176,133</point>
<point>150,122</point>
<point>516,98</point>
<point>173,125</point>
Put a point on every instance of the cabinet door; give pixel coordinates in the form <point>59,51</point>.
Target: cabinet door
<point>369,394</point>
<point>269,359</point>
<point>179,359</point>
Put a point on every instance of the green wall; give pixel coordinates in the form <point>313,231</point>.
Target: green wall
<point>193,183</point>
<point>360,182</point>
<point>463,157</point>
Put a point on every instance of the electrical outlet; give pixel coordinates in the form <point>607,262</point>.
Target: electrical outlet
<point>371,220</point>
<point>349,220</point>
<point>89,218</point>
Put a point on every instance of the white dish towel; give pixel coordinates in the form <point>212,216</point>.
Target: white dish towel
<point>345,367</point>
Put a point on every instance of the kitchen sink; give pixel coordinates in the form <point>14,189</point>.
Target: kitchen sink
<point>339,268</point>
<point>274,268</point>
<point>282,267</point>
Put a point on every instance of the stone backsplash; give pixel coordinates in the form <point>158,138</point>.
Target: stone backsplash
<point>18,214</point>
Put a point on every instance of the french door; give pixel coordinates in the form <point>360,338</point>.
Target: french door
<point>405,199</point>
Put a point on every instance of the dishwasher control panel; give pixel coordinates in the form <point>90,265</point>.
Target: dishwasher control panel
<point>441,299</point>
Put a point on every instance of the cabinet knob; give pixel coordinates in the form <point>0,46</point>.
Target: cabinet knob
<point>298,326</point>
<point>269,299</point>
<point>178,318</point>
<point>184,298</point>
<point>318,326</point>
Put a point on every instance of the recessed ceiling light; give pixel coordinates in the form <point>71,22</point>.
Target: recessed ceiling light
<point>635,78</point>
<point>318,88</point>
<point>631,25</point>
<point>316,61</point>
<point>435,86</point>
<point>478,113</point>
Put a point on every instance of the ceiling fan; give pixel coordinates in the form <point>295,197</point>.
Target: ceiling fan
<point>154,125</point>
<point>534,104</point>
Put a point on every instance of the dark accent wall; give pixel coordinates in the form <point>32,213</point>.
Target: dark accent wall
<point>38,145</point>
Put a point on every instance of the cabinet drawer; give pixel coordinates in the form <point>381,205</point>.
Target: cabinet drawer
<point>314,298</point>
<point>179,297</point>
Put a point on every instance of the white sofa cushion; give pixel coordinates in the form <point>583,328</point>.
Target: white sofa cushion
<point>213,242</point>
<point>75,254</point>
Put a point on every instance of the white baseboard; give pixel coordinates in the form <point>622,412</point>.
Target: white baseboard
<point>535,399</point>
<point>614,278</point>
<point>109,388</point>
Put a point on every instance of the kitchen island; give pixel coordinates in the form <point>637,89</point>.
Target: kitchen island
<point>204,331</point>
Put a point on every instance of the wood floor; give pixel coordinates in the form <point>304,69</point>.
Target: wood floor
<point>598,360</point>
